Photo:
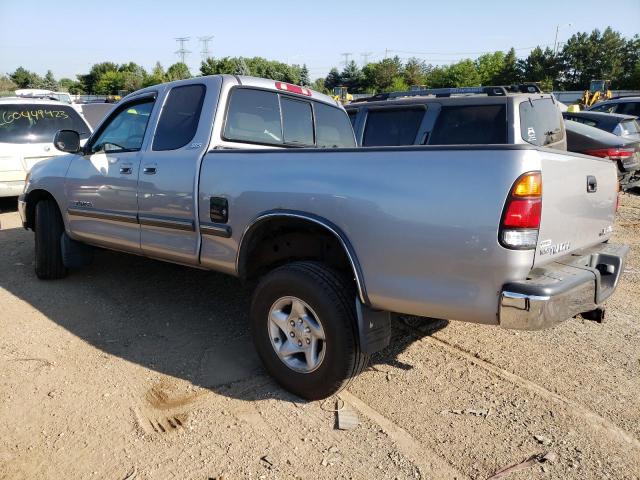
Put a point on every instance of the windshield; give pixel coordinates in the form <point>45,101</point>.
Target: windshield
<point>33,123</point>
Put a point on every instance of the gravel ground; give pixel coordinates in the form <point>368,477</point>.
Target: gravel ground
<point>134,368</point>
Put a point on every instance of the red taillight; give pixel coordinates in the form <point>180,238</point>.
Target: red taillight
<point>611,153</point>
<point>288,87</point>
<point>523,213</point>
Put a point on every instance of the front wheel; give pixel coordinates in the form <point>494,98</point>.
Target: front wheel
<point>303,325</point>
<point>49,229</point>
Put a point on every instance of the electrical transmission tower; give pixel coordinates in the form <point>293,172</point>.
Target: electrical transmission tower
<point>365,57</point>
<point>205,52</point>
<point>346,57</point>
<point>182,52</point>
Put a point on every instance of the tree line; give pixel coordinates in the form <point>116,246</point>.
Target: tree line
<point>585,56</point>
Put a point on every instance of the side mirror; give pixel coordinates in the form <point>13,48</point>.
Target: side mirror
<point>67,141</point>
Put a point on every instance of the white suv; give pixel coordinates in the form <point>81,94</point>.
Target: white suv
<point>27,127</point>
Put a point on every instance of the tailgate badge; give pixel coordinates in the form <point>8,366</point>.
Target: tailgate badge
<point>547,247</point>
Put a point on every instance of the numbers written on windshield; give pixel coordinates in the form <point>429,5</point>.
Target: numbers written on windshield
<point>31,115</point>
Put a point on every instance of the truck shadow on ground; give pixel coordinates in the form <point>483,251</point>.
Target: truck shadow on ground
<point>182,322</point>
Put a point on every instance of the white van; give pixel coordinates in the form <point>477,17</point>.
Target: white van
<point>27,127</point>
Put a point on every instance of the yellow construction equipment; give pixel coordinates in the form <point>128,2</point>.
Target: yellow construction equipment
<point>598,90</point>
<point>342,95</point>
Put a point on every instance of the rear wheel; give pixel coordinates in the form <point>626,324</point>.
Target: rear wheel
<point>49,229</point>
<point>304,329</point>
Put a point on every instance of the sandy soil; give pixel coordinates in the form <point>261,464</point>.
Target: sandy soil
<point>134,368</point>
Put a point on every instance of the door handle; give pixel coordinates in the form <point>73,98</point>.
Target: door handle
<point>125,170</point>
<point>149,170</point>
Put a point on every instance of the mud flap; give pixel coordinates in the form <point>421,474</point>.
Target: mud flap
<point>374,328</point>
<point>75,254</point>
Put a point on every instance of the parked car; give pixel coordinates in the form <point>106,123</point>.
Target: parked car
<point>459,116</point>
<point>618,124</point>
<point>260,179</point>
<point>27,128</point>
<point>623,105</point>
<point>624,152</point>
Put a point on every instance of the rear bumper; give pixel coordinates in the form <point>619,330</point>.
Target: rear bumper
<point>574,284</point>
<point>12,188</point>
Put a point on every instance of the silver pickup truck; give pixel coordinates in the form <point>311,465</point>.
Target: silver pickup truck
<point>261,180</point>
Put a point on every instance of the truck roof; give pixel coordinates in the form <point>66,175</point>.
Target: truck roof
<point>451,100</point>
<point>256,82</point>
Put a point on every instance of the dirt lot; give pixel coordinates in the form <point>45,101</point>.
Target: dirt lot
<point>139,369</point>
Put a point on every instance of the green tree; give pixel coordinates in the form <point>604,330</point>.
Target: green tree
<point>319,86</point>
<point>156,76</point>
<point>489,67</point>
<point>352,77</point>
<point>23,78</point>
<point>90,79</point>
<point>49,82</point>
<point>414,72</point>
<point>509,73</point>
<point>305,81</point>
<point>178,71</point>
<point>110,83</point>
<point>7,87</point>
<point>463,74</point>
<point>333,79</point>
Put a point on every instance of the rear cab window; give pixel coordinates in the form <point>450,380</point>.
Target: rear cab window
<point>470,125</point>
<point>392,126</point>
<point>38,123</point>
<point>179,118</point>
<point>540,122</point>
<point>266,117</point>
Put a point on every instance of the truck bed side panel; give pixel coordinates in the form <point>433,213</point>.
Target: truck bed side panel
<point>423,222</point>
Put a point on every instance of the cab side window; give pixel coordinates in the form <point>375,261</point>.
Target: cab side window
<point>179,118</point>
<point>125,130</point>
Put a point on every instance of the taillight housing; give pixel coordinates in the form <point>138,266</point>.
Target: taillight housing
<point>289,87</point>
<point>522,212</point>
<point>612,153</point>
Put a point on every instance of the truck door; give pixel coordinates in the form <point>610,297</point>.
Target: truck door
<point>101,186</point>
<point>169,174</point>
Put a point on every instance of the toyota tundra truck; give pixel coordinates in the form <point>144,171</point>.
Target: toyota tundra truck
<point>262,180</point>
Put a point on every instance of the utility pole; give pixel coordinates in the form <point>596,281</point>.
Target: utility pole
<point>365,57</point>
<point>182,52</point>
<point>205,52</point>
<point>386,52</point>
<point>555,42</point>
<point>346,58</point>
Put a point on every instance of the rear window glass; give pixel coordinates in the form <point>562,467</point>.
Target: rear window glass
<point>630,108</point>
<point>254,117</point>
<point>333,128</point>
<point>628,127</point>
<point>353,116</point>
<point>392,127</point>
<point>297,121</point>
<point>33,123</point>
<point>540,122</point>
<point>180,116</point>
<point>470,124</point>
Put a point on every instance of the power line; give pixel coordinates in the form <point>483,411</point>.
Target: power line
<point>205,52</point>
<point>365,57</point>
<point>182,52</point>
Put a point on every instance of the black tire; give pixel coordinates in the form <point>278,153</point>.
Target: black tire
<point>333,299</point>
<point>49,229</point>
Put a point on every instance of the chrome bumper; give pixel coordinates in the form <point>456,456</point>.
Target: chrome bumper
<point>571,285</point>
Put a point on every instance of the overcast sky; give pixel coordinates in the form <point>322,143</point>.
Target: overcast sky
<point>69,36</point>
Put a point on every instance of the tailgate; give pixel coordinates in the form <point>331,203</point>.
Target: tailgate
<point>575,215</point>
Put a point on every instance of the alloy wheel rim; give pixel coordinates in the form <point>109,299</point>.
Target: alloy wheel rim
<point>296,334</point>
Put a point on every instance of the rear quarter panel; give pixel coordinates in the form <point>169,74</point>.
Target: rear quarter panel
<point>423,220</point>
